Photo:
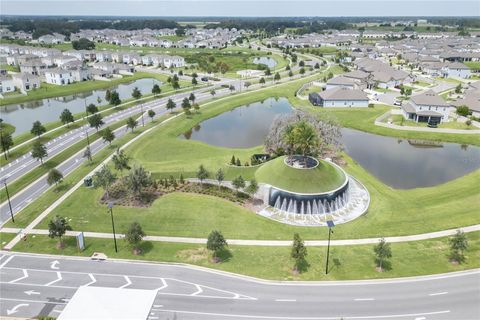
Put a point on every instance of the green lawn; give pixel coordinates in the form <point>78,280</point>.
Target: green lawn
<point>10,68</point>
<point>422,83</point>
<point>347,263</point>
<point>474,65</point>
<point>400,120</point>
<point>325,177</point>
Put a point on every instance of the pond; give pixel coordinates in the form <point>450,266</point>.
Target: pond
<point>242,127</point>
<point>47,110</point>
<point>268,61</point>
<point>399,163</point>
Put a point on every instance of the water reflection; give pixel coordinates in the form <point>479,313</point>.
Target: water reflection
<point>268,61</point>
<point>47,110</point>
<point>399,163</point>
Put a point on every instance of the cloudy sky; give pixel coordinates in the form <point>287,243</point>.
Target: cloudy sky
<point>250,8</point>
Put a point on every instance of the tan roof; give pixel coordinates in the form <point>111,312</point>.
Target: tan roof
<point>429,98</point>
<point>408,107</point>
<point>343,94</point>
<point>341,80</point>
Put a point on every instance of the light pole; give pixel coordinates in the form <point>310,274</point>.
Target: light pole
<point>141,108</point>
<point>330,225</point>
<point>110,206</point>
<point>4,180</point>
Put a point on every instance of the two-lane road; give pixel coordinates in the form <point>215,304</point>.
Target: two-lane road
<point>33,285</point>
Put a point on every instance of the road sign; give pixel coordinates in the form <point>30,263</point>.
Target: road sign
<point>330,224</point>
<point>80,241</point>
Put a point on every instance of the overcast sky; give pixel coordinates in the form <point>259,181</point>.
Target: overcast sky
<point>242,7</point>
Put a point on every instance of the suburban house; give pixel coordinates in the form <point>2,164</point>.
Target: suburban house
<point>471,99</point>
<point>6,84</point>
<point>343,82</point>
<point>426,107</point>
<point>33,67</point>
<point>457,70</point>
<point>173,61</point>
<point>26,82</point>
<point>80,73</point>
<point>104,56</point>
<point>339,97</point>
<point>52,39</point>
<point>59,76</point>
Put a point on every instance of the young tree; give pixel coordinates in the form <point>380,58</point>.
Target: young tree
<point>54,177</point>
<point>156,89</point>
<point>290,73</point>
<point>202,173</point>
<point>175,85</point>
<point>299,252</point>
<point>92,109</point>
<point>252,187</point>
<point>262,81</point>
<point>39,151</point>
<point>301,63</point>
<point>276,77</point>
<point>196,106</point>
<point>458,245</point>
<point>171,105</point>
<point>66,117</point>
<point>231,88</point>
<point>192,97</point>
<point>233,161</point>
<point>96,121</point>
<point>134,236</point>
<point>194,81</point>
<point>104,178</point>
<point>268,72</point>
<point>302,71</point>
<point>88,153</point>
<point>6,141</point>
<point>458,89</point>
<point>151,114</point>
<point>137,179</point>
<point>247,84</point>
<point>108,95</point>
<point>120,160</point>
<point>108,135</point>
<point>463,110</point>
<point>186,103</point>
<point>213,93</point>
<point>38,129</point>
<point>382,252</point>
<point>115,98</point>
<point>219,176</point>
<point>136,94</point>
<point>216,243</point>
<point>131,123</point>
<point>238,183</point>
<point>317,66</point>
<point>57,227</point>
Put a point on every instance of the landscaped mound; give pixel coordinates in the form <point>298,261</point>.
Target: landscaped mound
<point>322,178</point>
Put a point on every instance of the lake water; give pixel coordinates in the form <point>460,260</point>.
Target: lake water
<point>268,61</point>
<point>47,110</point>
<point>399,163</point>
<point>242,127</point>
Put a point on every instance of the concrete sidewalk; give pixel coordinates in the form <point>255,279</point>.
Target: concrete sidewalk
<point>266,243</point>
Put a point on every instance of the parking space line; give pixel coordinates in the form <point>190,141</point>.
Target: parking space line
<point>59,277</point>
<point>25,275</point>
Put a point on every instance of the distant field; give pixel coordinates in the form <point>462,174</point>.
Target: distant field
<point>474,65</point>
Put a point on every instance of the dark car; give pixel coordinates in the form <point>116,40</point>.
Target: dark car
<point>204,79</point>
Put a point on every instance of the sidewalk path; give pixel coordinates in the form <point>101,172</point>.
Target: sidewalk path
<point>266,243</point>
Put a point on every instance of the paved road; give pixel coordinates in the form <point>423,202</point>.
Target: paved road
<point>27,163</point>
<point>42,285</point>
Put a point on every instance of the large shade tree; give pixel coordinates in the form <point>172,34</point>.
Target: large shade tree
<point>304,133</point>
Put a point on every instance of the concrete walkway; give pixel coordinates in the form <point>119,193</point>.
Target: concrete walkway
<point>266,243</point>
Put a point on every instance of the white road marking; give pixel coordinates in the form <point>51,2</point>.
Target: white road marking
<point>37,301</point>
<point>6,261</point>
<point>247,316</point>
<point>15,309</point>
<point>127,284</point>
<point>158,305</point>
<point>30,292</point>
<point>164,284</point>
<point>53,264</point>
<point>199,290</point>
<point>438,293</point>
<point>25,275</point>
<point>420,318</point>
<point>59,277</point>
<point>91,278</point>
<point>285,300</point>
<point>364,299</point>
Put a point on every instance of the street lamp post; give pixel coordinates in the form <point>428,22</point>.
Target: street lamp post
<point>4,180</point>
<point>330,225</point>
<point>141,108</point>
<point>110,206</point>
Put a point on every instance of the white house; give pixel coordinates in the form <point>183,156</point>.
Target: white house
<point>59,76</point>
<point>426,107</point>
<point>26,82</point>
<point>173,61</point>
<point>6,84</point>
<point>458,70</point>
<point>339,97</point>
<point>342,82</point>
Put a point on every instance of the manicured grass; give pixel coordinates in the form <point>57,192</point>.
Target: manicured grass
<point>6,238</point>
<point>10,68</point>
<point>49,90</point>
<point>325,177</point>
<point>347,263</point>
<point>400,120</point>
<point>474,65</point>
<point>422,83</point>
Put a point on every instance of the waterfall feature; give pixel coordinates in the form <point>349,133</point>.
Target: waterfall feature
<point>314,205</point>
